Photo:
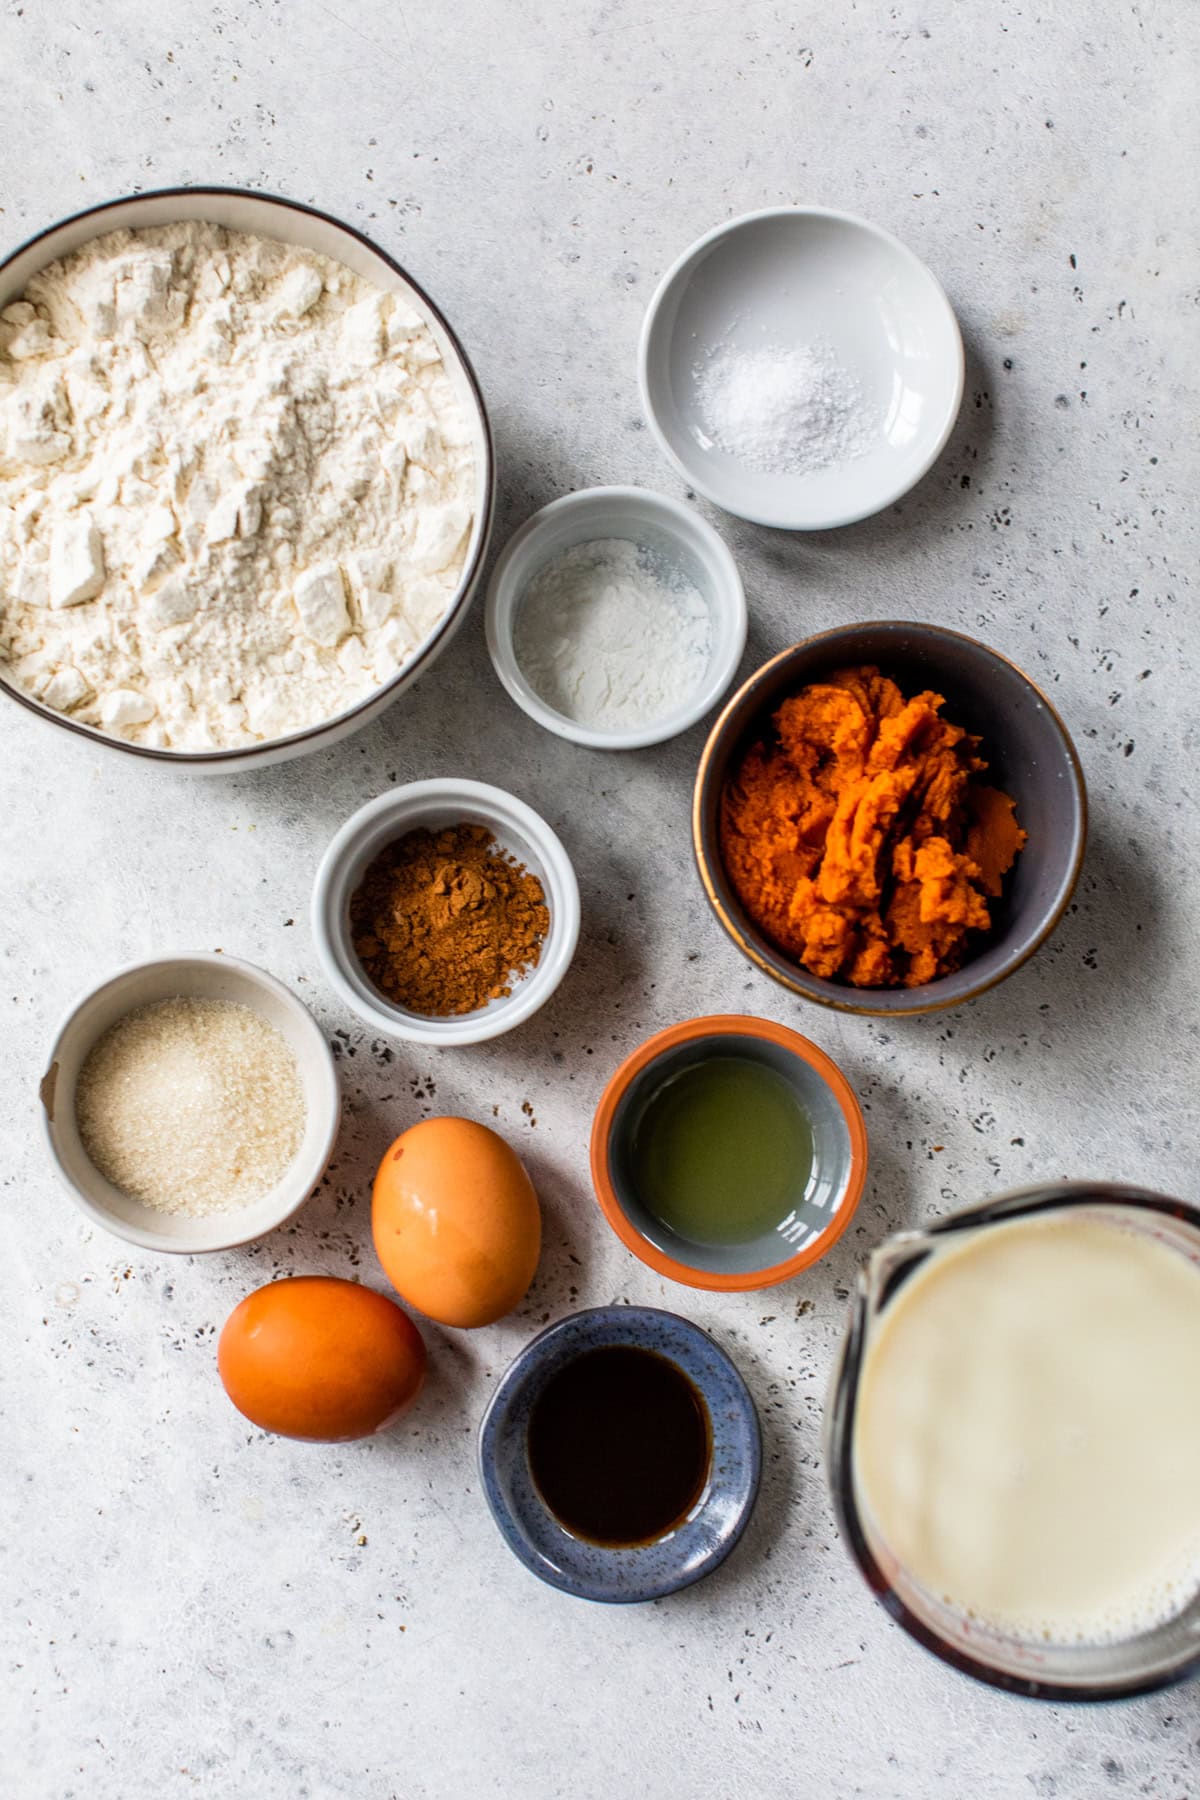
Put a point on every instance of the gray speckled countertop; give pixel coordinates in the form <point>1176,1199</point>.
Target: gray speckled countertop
<point>191,1607</point>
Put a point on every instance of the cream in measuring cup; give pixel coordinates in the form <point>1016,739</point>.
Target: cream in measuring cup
<point>1027,1439</point>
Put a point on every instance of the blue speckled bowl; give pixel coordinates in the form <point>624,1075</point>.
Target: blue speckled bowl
<point>707,1535</point>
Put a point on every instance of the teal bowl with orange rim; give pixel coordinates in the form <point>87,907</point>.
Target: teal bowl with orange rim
<point>728,1153</point>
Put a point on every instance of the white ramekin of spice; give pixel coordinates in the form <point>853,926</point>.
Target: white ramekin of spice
<point>445,912</point>
<point>190,1103</point>
<point>616,617</point>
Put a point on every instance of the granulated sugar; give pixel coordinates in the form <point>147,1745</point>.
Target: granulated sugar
<point>783,410</point>
<point>191,1106</point>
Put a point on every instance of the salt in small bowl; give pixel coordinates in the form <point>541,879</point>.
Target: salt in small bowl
<point>792,278</point>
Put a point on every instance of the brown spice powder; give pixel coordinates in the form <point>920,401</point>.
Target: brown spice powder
<point>443,920</point>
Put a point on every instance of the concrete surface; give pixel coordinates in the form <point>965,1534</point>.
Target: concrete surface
<point>191,1607</point>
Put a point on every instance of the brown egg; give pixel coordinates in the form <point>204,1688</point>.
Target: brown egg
<point>456,1221</point>
<point>320,1358</point>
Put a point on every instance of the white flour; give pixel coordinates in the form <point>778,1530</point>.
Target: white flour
<point>783,411</point>
<point>235,487</point>
<point>607,636</point>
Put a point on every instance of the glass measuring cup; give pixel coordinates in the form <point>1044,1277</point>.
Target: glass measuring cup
<point>1166,1653</point>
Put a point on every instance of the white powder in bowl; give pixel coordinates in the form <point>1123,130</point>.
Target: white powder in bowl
<point>784,411</point>
<point>236,487</point>
<point>611,635</point>
<point>191,1106</point>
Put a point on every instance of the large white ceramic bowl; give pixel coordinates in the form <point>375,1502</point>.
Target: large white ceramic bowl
<point>205,977</point>
<point>435,804</point>
<point>792,277</point>
<point>291,223</point>
<point>673,533</point>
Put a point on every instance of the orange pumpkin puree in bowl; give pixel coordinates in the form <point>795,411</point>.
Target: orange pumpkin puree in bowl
<point>858,837</point>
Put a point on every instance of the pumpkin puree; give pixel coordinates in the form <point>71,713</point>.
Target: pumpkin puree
<point>857,837</point>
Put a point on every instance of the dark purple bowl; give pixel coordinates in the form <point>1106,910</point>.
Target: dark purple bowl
<point>1029,755</point>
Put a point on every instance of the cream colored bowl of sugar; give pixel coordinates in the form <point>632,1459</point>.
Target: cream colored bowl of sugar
<point>287,222</point>
<point>679,541</point>
<point>208,977</point>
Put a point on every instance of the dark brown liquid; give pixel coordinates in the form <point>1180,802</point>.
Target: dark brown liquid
<point>619,1445</point>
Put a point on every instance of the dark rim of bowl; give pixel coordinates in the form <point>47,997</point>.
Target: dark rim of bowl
<point>756,946</point>
<point>841,1410</point>
<point>508,1522</point>
<point>471,570</point>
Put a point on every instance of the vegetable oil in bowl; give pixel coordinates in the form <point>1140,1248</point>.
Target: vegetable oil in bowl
<point>722,1150</point>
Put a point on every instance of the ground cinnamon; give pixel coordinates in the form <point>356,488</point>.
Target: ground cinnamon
<point>443,921</point>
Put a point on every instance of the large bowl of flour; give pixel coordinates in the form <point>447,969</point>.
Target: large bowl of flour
<point>246,478</point>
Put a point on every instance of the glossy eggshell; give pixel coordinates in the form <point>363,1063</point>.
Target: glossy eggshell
<point>456,1222</point>
<point>320,1358</point>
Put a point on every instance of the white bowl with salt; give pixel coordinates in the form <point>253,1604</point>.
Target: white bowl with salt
<point>616,617</point>
<point>195,1074</point>
<point>801,368</point>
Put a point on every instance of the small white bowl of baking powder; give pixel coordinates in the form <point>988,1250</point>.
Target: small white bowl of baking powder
<point>800,367</point>
<point>616,617</point>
